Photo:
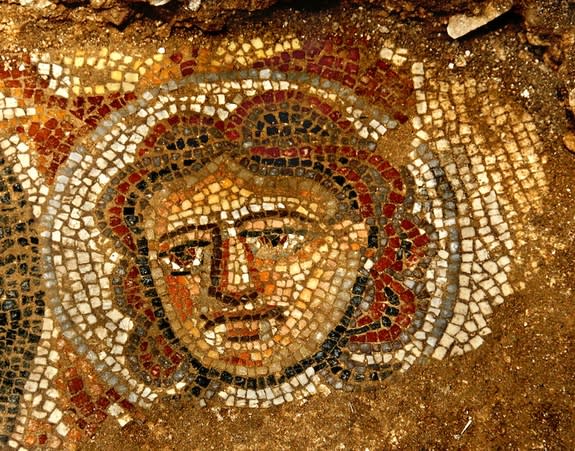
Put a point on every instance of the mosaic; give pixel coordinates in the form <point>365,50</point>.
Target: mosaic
<point>246,224</point>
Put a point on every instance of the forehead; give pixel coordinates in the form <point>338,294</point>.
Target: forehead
<point>225,189</point>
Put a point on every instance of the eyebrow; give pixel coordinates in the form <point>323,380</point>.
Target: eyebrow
<point>282,213</point>
<point>185,229</point>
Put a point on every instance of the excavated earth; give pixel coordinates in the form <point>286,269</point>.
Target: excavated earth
<point>517,391</point>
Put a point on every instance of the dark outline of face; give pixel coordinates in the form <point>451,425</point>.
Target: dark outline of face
<point>229,298</point>
<point>329,347</point>
<point>330,350</point>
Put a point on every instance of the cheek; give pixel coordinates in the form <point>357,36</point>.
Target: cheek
<point>179,286</point>
<point>161,224</point>
<point>314,251</point>
<point>181,293</point>
<point>273,278</point>
<point>281,277</point>
<point>291,267</point>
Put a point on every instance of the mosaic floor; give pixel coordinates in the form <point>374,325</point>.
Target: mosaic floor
<point>245,224</point>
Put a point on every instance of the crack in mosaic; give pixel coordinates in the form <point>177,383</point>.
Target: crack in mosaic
<point>252,223</point>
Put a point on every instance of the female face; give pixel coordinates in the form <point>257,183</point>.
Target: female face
<point>254,272</point>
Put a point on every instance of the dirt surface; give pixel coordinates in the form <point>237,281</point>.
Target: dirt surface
<point>213,15</point>
<point>515,392</point>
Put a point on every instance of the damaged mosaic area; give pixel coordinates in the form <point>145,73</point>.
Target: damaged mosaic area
<point>247,224</point>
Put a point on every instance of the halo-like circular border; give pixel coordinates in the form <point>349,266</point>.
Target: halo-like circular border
<point>67,200</point>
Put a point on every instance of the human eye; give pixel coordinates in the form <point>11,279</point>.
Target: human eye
<point>186,258</point>
<point>270,241</point>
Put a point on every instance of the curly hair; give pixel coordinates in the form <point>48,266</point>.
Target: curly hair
<point>291,135</point>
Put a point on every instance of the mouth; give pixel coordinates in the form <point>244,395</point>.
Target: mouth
<point>240,325</point>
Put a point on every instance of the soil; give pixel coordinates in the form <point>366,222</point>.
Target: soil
<point>517,390</point>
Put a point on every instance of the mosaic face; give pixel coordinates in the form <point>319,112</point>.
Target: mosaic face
<point>251,224</point>
<point>257,253</point>
<point>247,264</point>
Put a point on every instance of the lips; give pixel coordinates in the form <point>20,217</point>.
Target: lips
<point>241,324</point>
<point>264,312</point>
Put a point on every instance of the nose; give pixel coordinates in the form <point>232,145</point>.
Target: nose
<point>236,278</point>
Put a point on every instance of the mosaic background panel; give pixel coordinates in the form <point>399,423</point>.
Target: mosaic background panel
<point>250,223</point>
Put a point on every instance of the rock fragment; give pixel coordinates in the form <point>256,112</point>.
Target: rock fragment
<point>569,141</point>
<point>460,24</point>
